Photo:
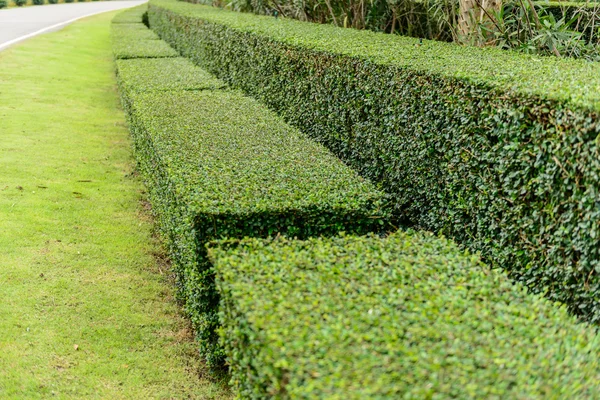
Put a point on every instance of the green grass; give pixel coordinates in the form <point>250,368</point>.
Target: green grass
<point>86,307</point>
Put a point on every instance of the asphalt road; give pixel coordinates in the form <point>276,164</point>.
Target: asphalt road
<point>18,24</point>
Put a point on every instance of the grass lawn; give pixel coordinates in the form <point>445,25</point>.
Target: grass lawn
<point>86,309</point>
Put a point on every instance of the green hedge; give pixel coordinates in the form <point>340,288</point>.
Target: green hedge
<point>224,167</point>
<point>134,31</point>
<point>131,15</point>
<point>162,74</point>
<point>408,316</point>
<point>135,40</point>
<point>497,150</point>
<point>220,165</point>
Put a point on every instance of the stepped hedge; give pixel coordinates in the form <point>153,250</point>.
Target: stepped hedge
<point>407,316</point>
<point>498,150</point>
<point>134,15</point>
<point>219,165</point>
<point>135,40</point>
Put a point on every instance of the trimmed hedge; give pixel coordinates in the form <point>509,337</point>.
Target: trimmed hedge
<point>219,165</point>
<point>498,150</point>
<point>407,316</point>
<point>222,166</point>
<point>131,15</point>
<point>159,74</point>
<point>135,40</point>
<point>137,31</point>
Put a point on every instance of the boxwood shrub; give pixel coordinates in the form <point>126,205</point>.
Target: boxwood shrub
<point>159,74</point>
<point>131,15</point>
<point>136,31</point>
<point>219,165</point>
<point>407,316</point>
<point>135,40</point>
<point>498,150</point>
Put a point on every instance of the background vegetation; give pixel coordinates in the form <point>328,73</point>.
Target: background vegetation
<point>560,29</point>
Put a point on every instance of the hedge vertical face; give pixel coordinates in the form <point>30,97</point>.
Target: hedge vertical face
<point>505,163</point>
<point>407,316</point>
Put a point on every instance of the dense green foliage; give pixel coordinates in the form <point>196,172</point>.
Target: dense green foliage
<point>158,74</point>
<point>135,40</point>
<point>20,3</point>
<point>37,2</point>
<point>220,165</point>
<point>430,19</point>
<point>495,149</point>
<point>134,15</point>
<point>584,16</point>
<point>3,4</point>
<point>407,316</point>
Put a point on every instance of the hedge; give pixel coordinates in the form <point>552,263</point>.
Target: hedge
<point>131,15</point>
<point>219,165</point>
<point>162,74</point>
<point>498,150</point>
<point>135,40</point>
<point>139,31</point>
<point>407,316</point>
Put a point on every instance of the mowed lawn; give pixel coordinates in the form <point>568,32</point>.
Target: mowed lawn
<point>86,308</point>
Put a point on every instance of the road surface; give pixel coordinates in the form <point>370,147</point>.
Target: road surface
<point>18,24</point>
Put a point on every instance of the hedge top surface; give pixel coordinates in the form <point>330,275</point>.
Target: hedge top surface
<point>131,15</point>
<point>547,77</point>
<point>137,45</point>
<point>137,30</point>
<point>230,154</point>
<point>144,74</point>
<point>365,317</point>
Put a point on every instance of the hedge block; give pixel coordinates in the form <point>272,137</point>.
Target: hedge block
<point>131,15</point>
<point>495,149</point>
<point>137,41</point>
<point>164,74</point>
<point>219,165</point>
<point>406,316</point>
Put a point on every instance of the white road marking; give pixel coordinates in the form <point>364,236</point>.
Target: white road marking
<point>49,28</point>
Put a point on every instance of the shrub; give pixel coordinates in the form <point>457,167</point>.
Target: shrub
<point>69,1</point>
<point>3,4</point>
<point>52,1</point>
<point>217,164</point>
<point>38,2</point>
<point>20,3</point>
<point>131,15</point>
<point>408,316</point>
<point>220,165</point>
<point>129,32</point>
<point>136,41</point>
<point>162,74</point>
<point>495,149</point>
<point>585,16</point>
